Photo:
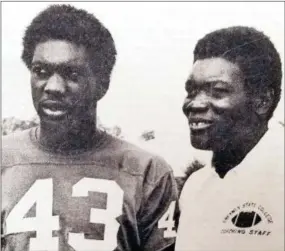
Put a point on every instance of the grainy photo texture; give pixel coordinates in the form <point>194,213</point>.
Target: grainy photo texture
<point>142,126</point>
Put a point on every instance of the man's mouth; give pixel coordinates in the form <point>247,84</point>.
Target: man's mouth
<point>196,125</point>
<point>53,112</point>
<point>54,109</point>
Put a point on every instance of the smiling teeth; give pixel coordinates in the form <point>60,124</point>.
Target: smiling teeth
<point>53,112</point>
<point>199,125</point>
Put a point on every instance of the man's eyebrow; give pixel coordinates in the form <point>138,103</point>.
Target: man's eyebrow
<point>58,65</point>
<point>67,63</point>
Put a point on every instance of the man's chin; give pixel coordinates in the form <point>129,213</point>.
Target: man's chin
<point>200,143</point>
<point>53,121</point>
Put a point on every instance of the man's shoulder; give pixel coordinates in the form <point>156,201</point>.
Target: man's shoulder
<point>276,137</point>
<point>136,160</point>
<point>126,147</point>
<point>270,149</point>
<point>198,176</point>
<point>16,140</point>
<point>196,179</point>
<point>15,147</point>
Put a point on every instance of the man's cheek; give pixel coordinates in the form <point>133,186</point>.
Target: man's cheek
<point>229,111</point>
<point>223,104</point>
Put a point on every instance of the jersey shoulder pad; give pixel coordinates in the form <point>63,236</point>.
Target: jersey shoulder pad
<point>136,160</point>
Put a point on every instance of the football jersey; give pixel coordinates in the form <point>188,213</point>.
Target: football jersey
<point>244,211</point>
<point>113,197</point>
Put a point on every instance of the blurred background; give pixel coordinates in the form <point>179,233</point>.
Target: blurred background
<point>155,41</point>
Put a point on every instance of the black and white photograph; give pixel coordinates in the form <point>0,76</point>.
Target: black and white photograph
<point>142,126</point>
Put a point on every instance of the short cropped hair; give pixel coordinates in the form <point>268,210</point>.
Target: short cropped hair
<point>252,51</point>
<point>64,22</point>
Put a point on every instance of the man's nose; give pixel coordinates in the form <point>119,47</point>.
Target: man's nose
<point>55,85</point>
<point>199,103</point>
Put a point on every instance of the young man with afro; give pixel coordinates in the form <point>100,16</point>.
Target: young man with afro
<point>66,185</point>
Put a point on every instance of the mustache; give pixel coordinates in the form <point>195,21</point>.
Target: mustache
<point>60,102</point>
<point>76,104</point>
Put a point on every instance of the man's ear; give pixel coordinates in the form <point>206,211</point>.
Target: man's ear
<point>101,89</point>
<point>263,102</point>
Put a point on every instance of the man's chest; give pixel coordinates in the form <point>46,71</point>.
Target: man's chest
<point>50,207</point>
<point>232,214</point>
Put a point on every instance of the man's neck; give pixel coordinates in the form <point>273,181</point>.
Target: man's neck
<point>233,154</point>
<point>63,139</point>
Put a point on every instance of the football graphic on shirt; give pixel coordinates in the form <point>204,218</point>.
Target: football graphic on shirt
<point>245,219</point>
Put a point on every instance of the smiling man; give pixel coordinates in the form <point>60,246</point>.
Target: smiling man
<point>237,202</point>
<point>66,185</point>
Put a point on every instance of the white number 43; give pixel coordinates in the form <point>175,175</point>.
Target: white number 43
<point>41,194</point>
<point>168,222</point>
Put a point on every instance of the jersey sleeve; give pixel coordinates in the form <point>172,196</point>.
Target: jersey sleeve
<point>159,214</point>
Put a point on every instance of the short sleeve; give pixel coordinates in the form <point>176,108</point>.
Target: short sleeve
<point>159,214</point>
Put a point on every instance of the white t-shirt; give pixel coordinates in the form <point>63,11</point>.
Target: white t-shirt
<point>242,212</point>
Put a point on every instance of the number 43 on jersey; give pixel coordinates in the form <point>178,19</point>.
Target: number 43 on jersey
<point>45,223</point>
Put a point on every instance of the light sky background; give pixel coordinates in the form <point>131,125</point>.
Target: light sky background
<point>155,42</point>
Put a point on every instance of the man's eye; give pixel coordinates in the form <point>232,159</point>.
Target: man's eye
<point>74,76</point>
<point>40,71</point>
<point>220,89</point>
<point>71,74</point>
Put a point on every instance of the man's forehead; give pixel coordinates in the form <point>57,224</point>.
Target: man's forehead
<point>59,51</point>
<point>211,69</point>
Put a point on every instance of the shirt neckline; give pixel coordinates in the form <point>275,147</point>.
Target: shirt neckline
<point>100,142</point>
